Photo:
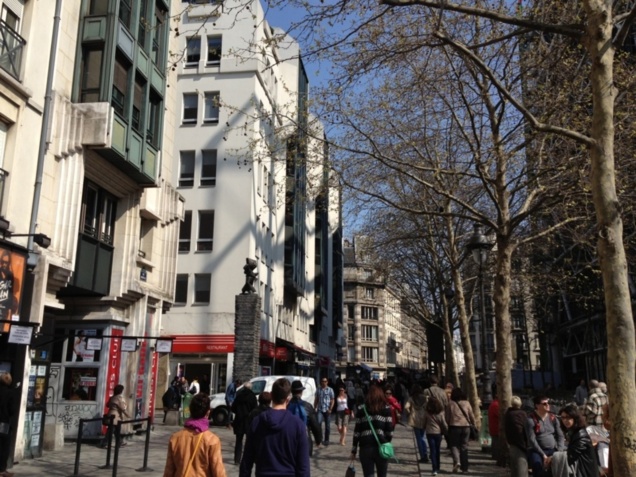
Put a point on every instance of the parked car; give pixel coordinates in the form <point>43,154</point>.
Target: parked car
<point>220,413</point>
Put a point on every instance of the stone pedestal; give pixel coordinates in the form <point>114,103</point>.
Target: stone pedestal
<point>247,335</point>
<point>53,436</point>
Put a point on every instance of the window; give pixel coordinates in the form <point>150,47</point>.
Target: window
<point>185,232</point>
<point>193,51</point>
<point>202,287</point>
<point>186,173</point>
<point>120,85</point>
<point>91,74</point>
<point>190,108</point>
<point>215,45</point>
<point>369,355</point>
<point>139,96</point>
<point>181,289</point>
<point>146,230</point>
<point>208,167</point>
<point>97,7</point>
<point>144,23</point>
<point>351,354</point>
<point>11,19</point>
<point>369,293</point>
<point>206,231</point>
<point>351,332</point>
<point>351,311</point>
<point>159,35</point>
<point>98,214</point>
<point>369,312</point>
<point>155,109</point>
<point>211,113</point>
<point>124,12</point>
<point>369,333</point>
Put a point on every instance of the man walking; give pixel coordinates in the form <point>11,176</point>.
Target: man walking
<point>325,399</point>
<point>277,440</point>
<point>544,435</point>
<point>244,403</point>
<point>594,404</point>
<point>305,411</point>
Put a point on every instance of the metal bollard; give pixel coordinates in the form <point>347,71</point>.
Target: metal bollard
<point>145,467</point>
<point>109,441</point>
<point>117,440</point>
<point>78,447</point>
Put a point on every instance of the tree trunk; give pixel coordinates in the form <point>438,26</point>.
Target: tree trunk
<point>449,349</point>
<point>621,348</point>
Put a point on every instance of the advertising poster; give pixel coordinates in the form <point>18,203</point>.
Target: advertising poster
<point>12,268</point>
<point>80,350</point>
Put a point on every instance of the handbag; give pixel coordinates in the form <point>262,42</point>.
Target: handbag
<point>351,470</point>
<point>185,474</point>
<point>474,433</point>
<point>386,448</point>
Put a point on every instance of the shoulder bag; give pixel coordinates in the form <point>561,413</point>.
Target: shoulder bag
<point>386,448</point>
<point>474,433</point>
<point>185,474</point>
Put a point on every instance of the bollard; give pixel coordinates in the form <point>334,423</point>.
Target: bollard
<point>117,441</point>
<point>78,448</point>
<point>109,441</point>
<point>146,449</point>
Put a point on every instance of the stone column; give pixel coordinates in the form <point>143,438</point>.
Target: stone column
<point>247,335</point>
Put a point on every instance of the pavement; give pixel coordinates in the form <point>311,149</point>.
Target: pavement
<point>329,461</point>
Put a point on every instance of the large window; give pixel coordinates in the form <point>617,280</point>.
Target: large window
<point>190,108</point>
<point>185,232</point>
<point>159,35</point>
<point>206,231</point>
<point>11,18</point>
<point>208,167</point>
<point>181,289</point>
<point>98,214</point>
<point>91,72</point>
<point>212,102</point>
<point>202,283</point>
<point>120,85</point>
<point>143,23</point>
<point>369,355</point>
<point>139,97</point>
<point>125,12</point>
<point>155,110</point>
<point>186,170</point>
<point>215,45</point>
<point>369,333</point>
<point>193,51</point>
<point>369,312</point>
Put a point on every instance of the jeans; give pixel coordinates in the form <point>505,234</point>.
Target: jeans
<point>325,416</point>
<point>535,462</point>
<point>458,437</point>
<point>420,438</point>
<point>435,444</point>
<point>370,460</point>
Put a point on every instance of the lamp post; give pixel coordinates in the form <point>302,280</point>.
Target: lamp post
<point>479,246</point>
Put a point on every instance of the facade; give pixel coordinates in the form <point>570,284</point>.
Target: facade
<point>90,220</point>
<point>383,340</point>
<point>253,172</point>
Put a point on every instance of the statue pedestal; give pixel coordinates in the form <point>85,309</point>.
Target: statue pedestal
<point>247,335</point>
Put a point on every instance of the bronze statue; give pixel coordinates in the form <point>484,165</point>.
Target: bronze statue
<point>250,276</point>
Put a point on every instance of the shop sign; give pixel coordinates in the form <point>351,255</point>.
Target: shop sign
<point>267,349</point>
<point>282,353</point>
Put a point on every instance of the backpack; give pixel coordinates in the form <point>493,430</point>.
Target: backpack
<point>297,408</point>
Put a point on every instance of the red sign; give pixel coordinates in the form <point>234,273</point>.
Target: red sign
<point>267,349</point>
<point>281,353</point>
<point>153,382</point>
<point>112,373</point>
<point>209,344</point>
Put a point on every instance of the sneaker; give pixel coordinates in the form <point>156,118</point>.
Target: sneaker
<point>434,472</point>
<point>455,468</point>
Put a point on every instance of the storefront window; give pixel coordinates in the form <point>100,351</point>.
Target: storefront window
<point>80,363</point>
<point>80,384</point>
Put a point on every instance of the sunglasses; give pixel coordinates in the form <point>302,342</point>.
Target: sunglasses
<point>545,403</point>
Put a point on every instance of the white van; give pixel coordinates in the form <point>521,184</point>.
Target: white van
<point>220,414</point>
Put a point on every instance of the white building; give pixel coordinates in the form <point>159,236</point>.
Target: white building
<point>252,181</point>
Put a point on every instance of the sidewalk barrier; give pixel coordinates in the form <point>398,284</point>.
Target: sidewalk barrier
<point>145,467</point>
<point>78,447</point>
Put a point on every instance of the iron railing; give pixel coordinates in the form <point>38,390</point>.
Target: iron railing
<point>11,46</point>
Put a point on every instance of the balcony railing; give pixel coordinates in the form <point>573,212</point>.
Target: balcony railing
<point>11,45</point>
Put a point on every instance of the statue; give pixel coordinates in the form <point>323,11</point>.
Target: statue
<point>250,276</point>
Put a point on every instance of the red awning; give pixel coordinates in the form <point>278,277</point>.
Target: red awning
<point>203,344</point>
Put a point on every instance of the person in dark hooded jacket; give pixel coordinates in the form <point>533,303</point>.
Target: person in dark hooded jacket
<point>277,442</point>
<point>243,404</point>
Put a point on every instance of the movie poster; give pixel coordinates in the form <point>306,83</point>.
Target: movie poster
<point>12,268</point>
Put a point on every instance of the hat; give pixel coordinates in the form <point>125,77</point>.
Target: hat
<point>297,386</point>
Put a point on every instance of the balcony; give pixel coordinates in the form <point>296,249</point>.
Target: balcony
<point>11,46</point>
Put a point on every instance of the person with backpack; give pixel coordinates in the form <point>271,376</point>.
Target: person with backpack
<point>305,411</point>
<point>171,399</point>
<point>544,435</point>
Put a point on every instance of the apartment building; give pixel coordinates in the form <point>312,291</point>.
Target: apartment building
<point>90,219</point>
<point>254,173</point>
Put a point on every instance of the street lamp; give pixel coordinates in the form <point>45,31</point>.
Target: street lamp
<point>479,246</point>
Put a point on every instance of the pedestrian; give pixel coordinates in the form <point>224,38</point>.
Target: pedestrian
<point>118,408</point>
<point>230,392</point>
<point>460,417</point>
<point>194,450</point>
<point>342,414</point>
<point>435,426</point>
<point>580,394</point>
<point>378,415</point>
<point>580,451</point>
<point>493,423</point>
<point>306,413</point>
<point>415,409</point>
<point>324,405</point>
<point>351,395</point>
<point>8,410</point>
<point>434,390</point>
<point>544,434</point>
<point>244,403</point>
<point>396,408</point>
<point>277,440</point>
<point>205,384</point>
<point>194,388</point>
<point>515,426</point>
<point>170,400</point>
<point>264,403</point>
<point>594,405</point>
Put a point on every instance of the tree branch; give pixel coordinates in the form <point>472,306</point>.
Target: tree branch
<point>620,37</point>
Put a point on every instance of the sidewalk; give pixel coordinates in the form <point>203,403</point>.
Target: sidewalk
<point>328,461</point>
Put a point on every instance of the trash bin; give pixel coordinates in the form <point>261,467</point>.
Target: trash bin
<point>485,441</point>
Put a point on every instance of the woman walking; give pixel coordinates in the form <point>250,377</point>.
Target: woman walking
<point>117,407</point>
<point>342,414</point>
<point>415,409</point>
<point>394,404</point>
<point>460,417</point>
<point>435,427</point>
<point>379,416</point>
